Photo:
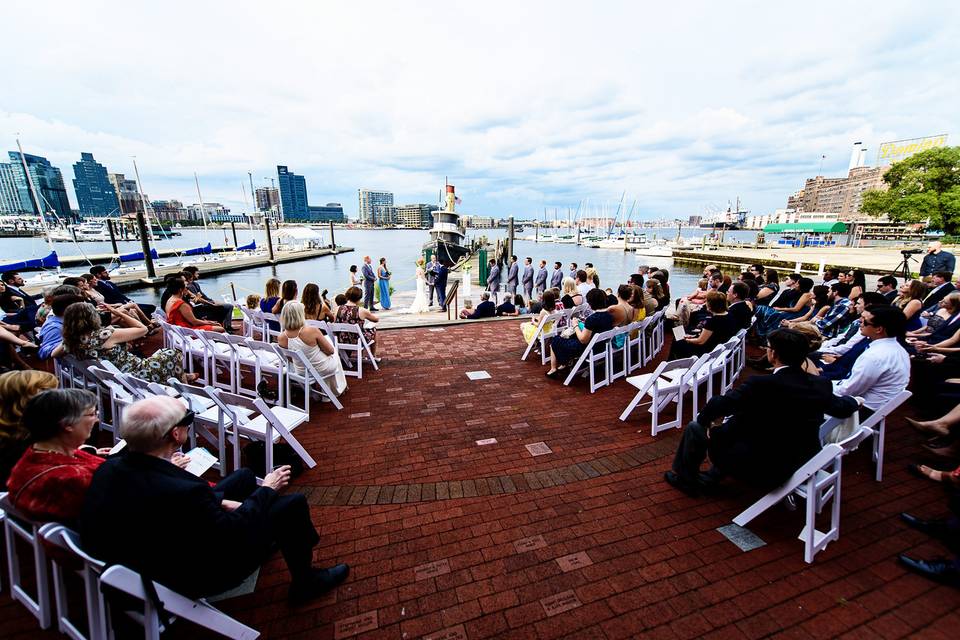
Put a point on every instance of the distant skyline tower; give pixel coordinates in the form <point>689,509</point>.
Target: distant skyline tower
<point>96,196</point>
<point>267,199</point>
<point>47,179</point>
<point>130,201</point>
<point>293,195</point>
<point>376,207</point>
<point>9,195</point>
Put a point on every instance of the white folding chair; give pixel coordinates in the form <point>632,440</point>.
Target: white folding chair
<point>199,612</point>
<point>669,382</point>
<point>252,322</point>
<point>119,396</point>
<point>245,364</point>
<point>653,338</point>
<point>270,334</point>
<point>635,345</point>
<point>193,348</point>
<point>210,422</point>
<point>352,349</point>
<point>17,526</point>
<point>269,427</point>
<point>89,572</point>
<point>706,375</point>
<point>300,370</point>
<point>546,329</point>
<point>268,361</point>
<point>877,424</point>
<point>223,357</point>
<point>595,354</point>
<point>618,357</point>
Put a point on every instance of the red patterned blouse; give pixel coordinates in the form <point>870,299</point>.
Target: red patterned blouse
<point>50,486</point>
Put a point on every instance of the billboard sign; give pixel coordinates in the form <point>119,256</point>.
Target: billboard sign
<point>898,150</point>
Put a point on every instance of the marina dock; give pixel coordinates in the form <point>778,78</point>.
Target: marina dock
<point>106,258</point>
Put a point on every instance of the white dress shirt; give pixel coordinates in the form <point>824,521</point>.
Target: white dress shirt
<point>837,347</point>
<point>879,374</point>
<point>584,287</point>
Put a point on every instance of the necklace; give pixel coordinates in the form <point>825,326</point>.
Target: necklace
<point>62,453</point>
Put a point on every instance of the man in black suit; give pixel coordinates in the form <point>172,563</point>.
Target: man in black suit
<point>20,305</point>
<point>737,307</point>
<point>111,293</point>
<point>942,287</point>
<point>887,285</point>
<point>143,511</point>
<point>751,445</point>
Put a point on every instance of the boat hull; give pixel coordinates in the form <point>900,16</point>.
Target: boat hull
<point>447,252</point>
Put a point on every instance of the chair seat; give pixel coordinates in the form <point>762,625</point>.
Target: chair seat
<point>671,377</point>
<point>212,414</point>
<point>289,418</point>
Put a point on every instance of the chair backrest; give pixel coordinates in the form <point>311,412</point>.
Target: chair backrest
<point>192,394</point>
<point>888,407</point>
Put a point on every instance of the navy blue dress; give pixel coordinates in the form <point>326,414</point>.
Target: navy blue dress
<point>567,349</point>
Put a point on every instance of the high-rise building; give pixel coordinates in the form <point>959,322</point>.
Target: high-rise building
<point>130,201</point>
<point>415,215</point>
<point>95,195</point>
<point>376,207</point>
<point>293,195</point>
<point>267,199</point>
<point>9,194</point>
<point>838,195</point>
<point>332,212</point>
<point>47,180</point>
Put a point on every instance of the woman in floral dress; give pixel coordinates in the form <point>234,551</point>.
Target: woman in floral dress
<point>86,339</point>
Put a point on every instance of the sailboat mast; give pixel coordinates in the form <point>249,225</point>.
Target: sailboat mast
<point>143,200</point>
<point>33,194</point>
<point>203,210</point>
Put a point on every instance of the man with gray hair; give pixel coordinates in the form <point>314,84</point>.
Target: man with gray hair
<point>142,511</point>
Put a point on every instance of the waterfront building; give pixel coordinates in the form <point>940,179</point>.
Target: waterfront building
<point>789,216</point>
<point>293,194</point>
<point>169,210</point>
<point>415,215</point>
<point>214,211</point>
<point>127,193</point>
<point>838,195</point>
<point>331,212</point>
<point>694,221</point>
<point>376,207</point>
<point>479,222</point>
<point>47,180</point>
<point>9,194</point>
<point>96,196</point>
<point>267,199</point>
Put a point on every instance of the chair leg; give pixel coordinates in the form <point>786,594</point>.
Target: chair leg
<point>878,442</point>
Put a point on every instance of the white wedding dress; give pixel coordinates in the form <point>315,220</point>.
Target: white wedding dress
<point>420,302</point>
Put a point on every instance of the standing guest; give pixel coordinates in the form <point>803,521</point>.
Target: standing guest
<point>180,312</point>
<point>513,276</point>
<point>548,305</point>
<point>430,276</point>
<point>369,279</point>
<point>910,301</point>
<point>527,278</point>
<point>493,278</point>
<point>383,281</point>
<point>717,329</point>
<point>942,287</point>
<point>937,260</point>
<point>314,308</point>
<point>350,313</point>
<point>883,370</point>
<point>205,307</point>
<point>745,446</point>
<point>584,282</point>
<point>738,305</point>
<point>541,280</point>
<point>573,270</point>
<point>86,339</point>
<point>288,293</point>
<point>16,389</point>
<point>140,508</point>
<point>111,293</point>
<point>887,285</point>
<point>311,342</point>
<point>556,278</point>
<point>486,309</point>
<point>565,348</point>
<point>355,279</point>
<point>51,479</point>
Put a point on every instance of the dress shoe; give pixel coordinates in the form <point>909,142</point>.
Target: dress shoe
<point>943,571</point>
<point>689,488</point>
<point>318,583</point>
<point>934,528</point>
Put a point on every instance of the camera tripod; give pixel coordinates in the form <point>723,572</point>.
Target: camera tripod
<point>903,269</point>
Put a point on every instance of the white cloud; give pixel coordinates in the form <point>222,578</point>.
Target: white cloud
<point>522,105</point>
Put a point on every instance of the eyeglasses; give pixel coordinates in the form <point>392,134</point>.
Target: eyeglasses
<point>867,323</point>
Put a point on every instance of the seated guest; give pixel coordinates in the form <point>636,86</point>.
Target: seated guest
<point>622,310</point>
<point>740,310</point>
<point>584,282</point>
<point>818,308</point>
<point>753,287</point>
<point>180,312</point>
<point>87,290</point>
<point>946,309</point>
<point>311,342</point>
<point>16,388</point>
<point>140,509</point>
<point>837,346</point>
<point>663,277</point>
<point>887,286</point>
<point>857,281</point>
<point>745,446</point>
<point>831,322</point>
<point>252,301</point>
<point>350,312</point>
<point>910,301</point>
<point>946,426</point>
<point>655,291</point>
<point>205,307</point>
<point>51,333</point>
<point>44,309</point>
<point>942,287</point>
<point>549,304</point>
<point>51,478</point>
<point>770,317</point>
<point>507,307</point>
<point>831,276</point>
<point>112,294</point>
<point>314,307</point>
<point>571,298</point>
<point>564,348</point>
<point>522,308</point>
<point>288,293</point>
<point>769,289</point>
<point>486,309</point>
<point>271,296</point>
<point>20,306</point>
<point>86,339</point>
<point>883,370</point>
<point>717,329</point>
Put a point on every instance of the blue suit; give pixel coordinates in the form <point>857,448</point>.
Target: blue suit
<point>369,277</point>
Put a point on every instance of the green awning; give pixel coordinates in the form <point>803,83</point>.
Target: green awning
<point>807,227</point>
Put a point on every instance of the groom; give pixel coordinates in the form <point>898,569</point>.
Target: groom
<point>440,282</point>
<point>369,278</point>
<point>430,273</point>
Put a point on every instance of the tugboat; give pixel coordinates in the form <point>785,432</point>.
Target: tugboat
<point>447,234</point>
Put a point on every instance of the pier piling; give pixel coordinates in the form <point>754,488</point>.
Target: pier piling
<point>145,245</point>
<point>333,243</point>
<point>233,228</point>
<point>266,225</point>
<point>113,238</point>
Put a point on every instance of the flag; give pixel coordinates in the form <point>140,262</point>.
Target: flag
<point>457,199</point>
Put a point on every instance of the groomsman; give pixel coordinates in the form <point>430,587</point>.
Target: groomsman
<point>556,280</point>
<point>527,279</point>
<point>573,270</point>
<point>493,279</point>
<point>541,281</point>
<point>513,274</point>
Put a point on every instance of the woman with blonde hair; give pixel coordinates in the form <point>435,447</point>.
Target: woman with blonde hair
<point>571,298</point>
<point>420,303</point>
<point>311,342</point>
<point>16,389</point>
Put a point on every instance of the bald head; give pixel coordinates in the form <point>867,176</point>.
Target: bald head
<point>147,422</point>
<point>934,246</point>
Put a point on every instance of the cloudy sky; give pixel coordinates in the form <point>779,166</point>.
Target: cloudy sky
<point>524,105</point>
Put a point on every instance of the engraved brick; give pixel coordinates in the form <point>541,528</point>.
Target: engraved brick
<point>574,561</point>
<point>356,625</point>
<point>529,544</point>
<point>559,603</point>
<point>431,569</point>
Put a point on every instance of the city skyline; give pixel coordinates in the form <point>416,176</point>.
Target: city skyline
<point>682,108</point>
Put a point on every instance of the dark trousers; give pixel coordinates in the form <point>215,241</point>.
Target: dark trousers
<point>368,294</point>
<point>432,287</point>
<point>691,452</point>
<point>442,295</point>
<point>222,313</point>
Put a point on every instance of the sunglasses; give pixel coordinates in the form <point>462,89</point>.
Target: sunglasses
<point>185,421</point>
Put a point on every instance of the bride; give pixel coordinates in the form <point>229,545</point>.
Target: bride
<point>420,302</point>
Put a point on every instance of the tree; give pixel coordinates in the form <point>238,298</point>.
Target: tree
<point>924,186</point>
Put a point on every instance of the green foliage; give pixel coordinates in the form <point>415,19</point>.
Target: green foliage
<point>924,186</point>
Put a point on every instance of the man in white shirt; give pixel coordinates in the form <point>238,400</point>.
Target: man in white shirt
<point>831,277</point>
<point>843,342</point>
<point>883,369</point>
<point>583,284</point>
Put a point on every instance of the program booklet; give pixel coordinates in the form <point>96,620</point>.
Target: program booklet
<point>679,333</point>
<point>200,461</point>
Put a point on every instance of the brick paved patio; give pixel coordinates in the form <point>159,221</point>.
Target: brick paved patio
<point>450,538</point>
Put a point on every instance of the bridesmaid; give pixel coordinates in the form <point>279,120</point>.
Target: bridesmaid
<point>383,280</point>
<point>355,280</point>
